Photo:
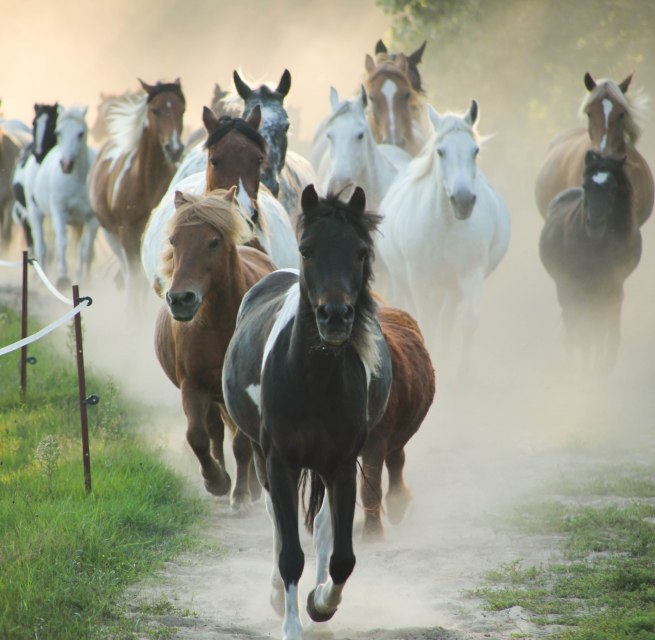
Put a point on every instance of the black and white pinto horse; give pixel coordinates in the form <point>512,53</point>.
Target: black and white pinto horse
<point>306,376</point>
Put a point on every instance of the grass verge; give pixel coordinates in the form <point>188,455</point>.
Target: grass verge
<point>65,556</point>
<point>604,587</point>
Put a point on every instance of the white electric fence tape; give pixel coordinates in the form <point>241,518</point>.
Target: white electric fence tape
<point>47,283</point>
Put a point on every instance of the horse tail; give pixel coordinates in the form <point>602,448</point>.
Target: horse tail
<point>316,495</point>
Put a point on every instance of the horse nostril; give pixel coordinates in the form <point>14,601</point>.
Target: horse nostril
<point>322,314</point>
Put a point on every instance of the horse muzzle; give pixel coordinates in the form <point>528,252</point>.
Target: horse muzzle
<point>335,323</point>
<point>173,151</point>
<point>66,165</point>
<point>595,230</point>
<point>462,204</point>
<point>183,305</point>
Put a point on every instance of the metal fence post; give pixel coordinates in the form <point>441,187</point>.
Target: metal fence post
<point>23,333</point>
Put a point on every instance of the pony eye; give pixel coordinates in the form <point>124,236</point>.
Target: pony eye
<point>214,162</point>
<point>360,136</point>
<point>155,112</point>
<point>306,254</point>
<point>213,243</point>
<point>441,152</point>
<point>286,128</point>
<point>406,96</point>
<point>362,254</point>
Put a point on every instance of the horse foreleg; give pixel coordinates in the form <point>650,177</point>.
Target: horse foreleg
<point>283,482</point>
<point>398,495</point>
<point>115,245</point>
<point>85,248</point>
<point>471,290</point>
<point>371,485</point>
<point>277,584</point>
<point>59,218</point>
<point>242,449</point>
<point>323,601</point>
<point>36,221</point>
<point>323,540</point>
<point>198,408</point>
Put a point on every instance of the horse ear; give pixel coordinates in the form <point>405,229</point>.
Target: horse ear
<point>625,84</point>
<point>401,63</point>
<point>284,84</point>
<point>435,118</point>
<point>254,118</point>
<point>179,199</point>
<point>589,82</point>
<point>417,56</point>
<point>334,99</point>
<point>380,48</point>
<point>209,119</point>
<point>85,111</point>
<point>242,88</point>
<point>231,193</point>
<point>146,87</point>
<point>309,198</point>
<point>362,96</point>
<point>472,113</point>
<point>369,64</point>
<point>177,82</point>
<point>358,200</point>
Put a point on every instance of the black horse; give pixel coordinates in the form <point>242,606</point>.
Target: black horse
<point>306,377</point>
<point>589,245</point>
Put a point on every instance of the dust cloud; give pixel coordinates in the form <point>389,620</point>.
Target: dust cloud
<point>520,421</point>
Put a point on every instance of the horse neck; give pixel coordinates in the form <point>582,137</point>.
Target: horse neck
<point>622,219</point>
<point>154,170</point>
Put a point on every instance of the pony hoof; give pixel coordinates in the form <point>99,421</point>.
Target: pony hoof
<point>314,614</point>
<point>396,508</point>
<point>241,507</point>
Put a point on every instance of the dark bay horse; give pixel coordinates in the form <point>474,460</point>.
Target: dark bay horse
<point>589,245</point>
<point>306,377</point>
<point>133,169</point>
<point>207,276</point>
<point>410,398</point>
<point>613,130</point>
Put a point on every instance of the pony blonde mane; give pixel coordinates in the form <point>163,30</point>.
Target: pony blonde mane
<point>636,107</point>
<point>217,209</point>
<point>424,162</point>
<point>126,118</point>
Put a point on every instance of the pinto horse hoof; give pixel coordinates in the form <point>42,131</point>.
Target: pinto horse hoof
<point>314,614</point>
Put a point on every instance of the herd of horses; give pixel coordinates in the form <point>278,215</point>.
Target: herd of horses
<point>296,294</point>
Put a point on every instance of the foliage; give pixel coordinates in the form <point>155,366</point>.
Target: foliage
<point>67,556</point>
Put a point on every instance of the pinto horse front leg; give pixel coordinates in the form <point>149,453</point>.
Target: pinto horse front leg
<point>323,601</point>
<point>283,485</point>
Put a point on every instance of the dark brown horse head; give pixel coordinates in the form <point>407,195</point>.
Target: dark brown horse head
<point>203,235</point>
<point>235,153</point>
<point>166,105</point>
<point>393,102</point>
<point>609,114</point>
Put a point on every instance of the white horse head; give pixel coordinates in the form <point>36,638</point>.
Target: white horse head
<point>351,142</point>
<point>71,136</point>
<point>455,148</point>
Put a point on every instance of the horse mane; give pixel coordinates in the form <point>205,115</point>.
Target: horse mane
<point>423,163</point>
<point>365,224</point>
<point>596,163</point>
<point>227,124</point>
<point>636,107</point>
<point>232,102</point>
<point>345,107</point>
<point>72,113</point>
<point>126,118</point>
<point>217,209</point>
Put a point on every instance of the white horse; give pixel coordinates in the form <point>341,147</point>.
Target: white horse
<point>445,229</point>
<point>60,192</point>
<point>270,221</point>
<point>353,157</point>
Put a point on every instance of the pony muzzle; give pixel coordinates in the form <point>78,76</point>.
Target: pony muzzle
<point>66,165</point>
<point>183,305</point>
<point>335,322</point>
<point>462,203</point>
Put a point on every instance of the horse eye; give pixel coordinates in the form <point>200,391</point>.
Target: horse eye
<point>362,254</point>
<point>406,96</point>
<point>156,112</point>
<point>260,160</point>
<point>306,254</point>
<point>79,135</point>
<point>213,243</point>
<point>360,136</point>
<point>475,153</point>
<point>214,162</point>
<point>286,128</point>
<point>441,152</point>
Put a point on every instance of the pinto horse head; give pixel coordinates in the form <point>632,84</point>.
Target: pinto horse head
<point>336,247</point>
<point>274,123</point>
<point>235,154</point>
<point>202,238</point>
<point>166,105</point>
<point>44,127</point>
<point>382,54</point>
<point>610,115</point>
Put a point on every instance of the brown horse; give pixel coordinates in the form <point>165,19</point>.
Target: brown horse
<point>133,169</point>
<point>208,276</point>
<point>410,398</point>
<point>382,54</point>
<point>612,130</point>
<point>398,113</point>
<point>589,245</point>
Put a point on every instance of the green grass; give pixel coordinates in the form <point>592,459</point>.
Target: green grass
<point>604,587</point>
<point>66,556</point>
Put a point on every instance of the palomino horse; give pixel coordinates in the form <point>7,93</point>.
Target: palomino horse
<point>382,54</point>
<point>306,377</point>
<point>397,111</point>
<point>411,395</point>
<point>445,229</point>
<point>60,192</point>
<point>207,276</point>
<point>354,158</point>
<point>589,245</point>
<point>613,130</point>
<point>235,153</point>
<point>135,166</point>
<point>44,138</point>
<point>284,173</point>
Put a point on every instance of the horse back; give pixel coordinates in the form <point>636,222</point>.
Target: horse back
<point>413,382</point>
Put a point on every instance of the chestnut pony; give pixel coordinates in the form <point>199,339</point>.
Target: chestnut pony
<point>207,276</point>
<point>613,130</point>
<point>133,169</point>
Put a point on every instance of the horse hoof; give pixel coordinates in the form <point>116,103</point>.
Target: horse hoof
<point>373,532</point>
<point>241,506</point>
<point>315,615</point>
<point>219,488</point>
<point>397,507</point>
